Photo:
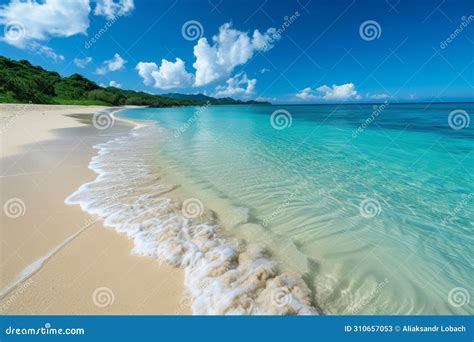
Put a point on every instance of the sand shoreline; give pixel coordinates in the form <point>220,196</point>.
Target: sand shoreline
<point>87,269</point>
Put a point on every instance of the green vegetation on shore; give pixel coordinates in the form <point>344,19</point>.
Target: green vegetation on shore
<point>21,82</point>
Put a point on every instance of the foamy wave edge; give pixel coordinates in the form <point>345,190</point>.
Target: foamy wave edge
<point>220,277</point>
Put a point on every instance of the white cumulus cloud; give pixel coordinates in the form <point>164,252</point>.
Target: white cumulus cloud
<point>115,84</point>
<point>43,20</point>
<point>145,70</point>
<point>168,76</point>
<point>27,23</point>
<point>238,86</point>
<point>307,94</point>
<point>229,48</point>
<point>113,64</point>
<point>214,61</point>
<point>111,9</point>
<point>82,62</point>
<point>336,92</point>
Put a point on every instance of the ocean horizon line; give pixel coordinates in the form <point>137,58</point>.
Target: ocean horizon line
<point>359,103</point>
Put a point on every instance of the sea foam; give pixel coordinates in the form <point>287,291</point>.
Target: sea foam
<point>221,276</point>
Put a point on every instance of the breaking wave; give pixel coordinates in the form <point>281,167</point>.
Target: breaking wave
<point>223,275</point>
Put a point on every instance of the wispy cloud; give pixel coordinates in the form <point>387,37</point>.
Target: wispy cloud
<point>82,62</point>
<point>381,96</point>
<point>113,64</point>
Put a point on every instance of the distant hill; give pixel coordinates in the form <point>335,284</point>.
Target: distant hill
<point>21,82</point>
<point>212,100</point>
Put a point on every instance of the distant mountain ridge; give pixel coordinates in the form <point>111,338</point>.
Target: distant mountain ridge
<point>212,100</point>
<point>21,82</point>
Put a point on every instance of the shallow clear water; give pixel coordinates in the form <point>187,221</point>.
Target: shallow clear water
<point>376,221</point>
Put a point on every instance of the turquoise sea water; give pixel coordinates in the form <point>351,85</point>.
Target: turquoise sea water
<point>372,206</point>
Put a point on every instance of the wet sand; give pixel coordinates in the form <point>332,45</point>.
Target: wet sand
<point>56,259</point>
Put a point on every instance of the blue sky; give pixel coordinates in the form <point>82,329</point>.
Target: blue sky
<point>322,54</point>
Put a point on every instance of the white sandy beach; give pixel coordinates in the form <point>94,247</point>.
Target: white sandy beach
<point>56,259</point>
